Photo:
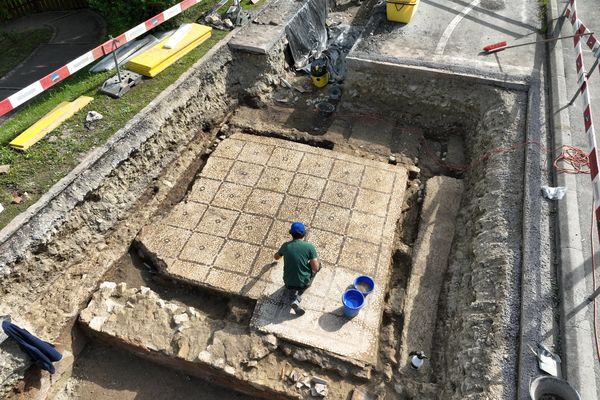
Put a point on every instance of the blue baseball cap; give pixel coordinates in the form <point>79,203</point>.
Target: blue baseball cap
<point>297,228</point>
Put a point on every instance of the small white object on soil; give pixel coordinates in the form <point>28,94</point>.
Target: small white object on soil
<point>93,116</point>
<point>181,318</point>
<point>319,390</point>
<point>4,169</point>
<point>316,379</point>
<point>108,285</point>
<point>554,193</point>
<point>1,208</point>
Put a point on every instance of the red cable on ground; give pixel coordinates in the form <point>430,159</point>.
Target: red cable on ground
<point>576,160</point>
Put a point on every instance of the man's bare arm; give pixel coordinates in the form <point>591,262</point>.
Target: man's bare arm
<point>277,256</point>
<point>315,265</point>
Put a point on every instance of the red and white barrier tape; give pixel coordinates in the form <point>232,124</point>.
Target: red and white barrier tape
<point>582,80</point>
<point>29,92</point>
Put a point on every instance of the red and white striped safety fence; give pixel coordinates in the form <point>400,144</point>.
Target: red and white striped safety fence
<point>582,79</point>
<point>29,92</point>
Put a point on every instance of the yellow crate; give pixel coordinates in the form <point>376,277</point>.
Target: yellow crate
<point>157,58</point>
<point>401,10</point>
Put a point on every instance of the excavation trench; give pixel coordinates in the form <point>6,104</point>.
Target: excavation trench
<point>454,139</point>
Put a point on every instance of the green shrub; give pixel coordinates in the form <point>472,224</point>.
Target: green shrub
<point>121,15</point>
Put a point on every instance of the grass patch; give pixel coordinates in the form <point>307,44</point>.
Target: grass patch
<point>543,16</point>
<point>36,170</point>
<point>44,164</point>
<point>16,46</point>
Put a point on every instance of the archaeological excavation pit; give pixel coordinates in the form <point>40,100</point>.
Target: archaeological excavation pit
<point>405,182</point>
<point>438,231</point>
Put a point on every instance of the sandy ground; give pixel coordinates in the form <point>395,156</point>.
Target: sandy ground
<point>103,372</point>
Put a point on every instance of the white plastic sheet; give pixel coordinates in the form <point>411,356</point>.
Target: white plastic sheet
<point>307,32</point>
<point>554,193</point>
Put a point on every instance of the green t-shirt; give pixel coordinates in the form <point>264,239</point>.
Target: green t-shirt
<point>296,256</point>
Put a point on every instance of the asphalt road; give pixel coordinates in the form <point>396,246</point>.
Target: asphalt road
<point>73,33</point>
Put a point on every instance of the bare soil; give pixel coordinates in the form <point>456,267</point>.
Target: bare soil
<point>103,372</point>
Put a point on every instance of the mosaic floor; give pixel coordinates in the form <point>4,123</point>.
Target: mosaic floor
<point>238,213</point>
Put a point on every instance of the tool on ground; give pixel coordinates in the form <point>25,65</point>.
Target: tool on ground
<point>124,53</point>
<point>547,360</point>
<point>495,47</point>
<point>319,72</point>
<point>417,359</point>
<point>217,7</point>
<point>234,16</point>
<point>121,83</point>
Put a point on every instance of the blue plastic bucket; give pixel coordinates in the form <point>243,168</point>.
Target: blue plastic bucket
<point>353,301</point>
<point>364,284</point>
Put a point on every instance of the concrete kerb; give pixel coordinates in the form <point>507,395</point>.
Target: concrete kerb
<point>576,333</point>
<point>39,221</point>
<point>518,79</point>
<point>447,71</point>
<point>536,264</point>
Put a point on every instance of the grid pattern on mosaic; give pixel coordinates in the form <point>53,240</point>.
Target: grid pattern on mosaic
<point>239,211</point>
<point>238,214</point>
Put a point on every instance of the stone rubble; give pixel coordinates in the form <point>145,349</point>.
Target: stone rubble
<point>213,349</point>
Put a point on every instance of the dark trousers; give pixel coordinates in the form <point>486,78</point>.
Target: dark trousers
<point>298,291</point>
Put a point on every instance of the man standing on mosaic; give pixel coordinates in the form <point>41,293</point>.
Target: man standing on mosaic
<point>300,264</point>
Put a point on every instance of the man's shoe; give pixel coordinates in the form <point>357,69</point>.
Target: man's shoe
<point>299,311</point>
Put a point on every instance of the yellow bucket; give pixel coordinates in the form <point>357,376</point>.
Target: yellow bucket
<point>320,81</point>
<point>401,10</point>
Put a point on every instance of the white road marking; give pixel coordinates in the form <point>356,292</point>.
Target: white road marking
<point>441,46</point>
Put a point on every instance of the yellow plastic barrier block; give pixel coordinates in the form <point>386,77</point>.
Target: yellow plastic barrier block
<point>49,122</point>
<point>158,58</point>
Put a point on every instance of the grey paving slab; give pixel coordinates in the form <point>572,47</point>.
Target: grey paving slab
<point>258,39</point>
<point>237,214</point>
<point>267,28</point>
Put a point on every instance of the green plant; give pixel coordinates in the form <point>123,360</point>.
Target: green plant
<point>543,16</point>
<point>4,14</point>
<point>122,15</point>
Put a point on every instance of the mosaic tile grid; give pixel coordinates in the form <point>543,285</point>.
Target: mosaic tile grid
<point>237,214</point>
